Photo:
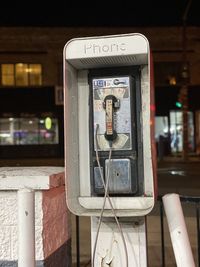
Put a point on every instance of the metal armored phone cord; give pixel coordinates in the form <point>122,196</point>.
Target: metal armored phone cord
<point>109,200</point>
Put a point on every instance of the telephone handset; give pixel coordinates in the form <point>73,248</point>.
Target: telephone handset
<point>110,104</point>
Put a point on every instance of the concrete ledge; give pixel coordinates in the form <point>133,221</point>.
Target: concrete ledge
<point>37,178</point>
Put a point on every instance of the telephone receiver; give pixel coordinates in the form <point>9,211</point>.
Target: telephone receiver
<point>110,104</point>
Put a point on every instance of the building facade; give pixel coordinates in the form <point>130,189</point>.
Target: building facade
<point>31,84</point>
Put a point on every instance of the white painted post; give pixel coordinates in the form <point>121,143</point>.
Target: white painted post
<point>26,228</point>
<point>178,231</point>
<point>110,250</point>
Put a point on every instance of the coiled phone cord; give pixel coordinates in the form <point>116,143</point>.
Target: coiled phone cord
<point>106,194</point>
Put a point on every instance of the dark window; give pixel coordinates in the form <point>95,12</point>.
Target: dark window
<point>168,73</point>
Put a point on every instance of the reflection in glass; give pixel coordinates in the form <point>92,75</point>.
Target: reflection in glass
<point>48,135</point>
<point>28,131</point>
<point>161,127</point>
<point>8,128</point>
<point>176,131</point>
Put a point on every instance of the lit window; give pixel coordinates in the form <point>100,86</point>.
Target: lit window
<point>7,74</point>
<point>35,74</point>
<point>172,80</point>
<point>21,74</point>
<point>48,131</point>
<point>28,131</point>
<point>8,129</point>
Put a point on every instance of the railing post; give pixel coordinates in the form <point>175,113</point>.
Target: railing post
<point>77,242</point>
<point>178,231</point>
<point>162,234</point>
<point>26,228</point>
<point>198,232</point>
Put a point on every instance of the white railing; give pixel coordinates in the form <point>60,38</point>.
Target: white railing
<point>178,231</point>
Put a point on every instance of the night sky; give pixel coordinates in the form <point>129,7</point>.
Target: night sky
<point>98,13</point>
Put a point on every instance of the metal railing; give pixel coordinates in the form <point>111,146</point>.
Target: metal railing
<point>194,201</point>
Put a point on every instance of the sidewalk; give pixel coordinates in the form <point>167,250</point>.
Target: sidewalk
<point>178,158</point>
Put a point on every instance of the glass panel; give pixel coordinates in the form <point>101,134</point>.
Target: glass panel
<point>197,131</point>
<point>190,131</point>
<point>29,131</point>
<point>176,131</point>
<point>162,136</point>
<point>9,131</point>
<point>21,72</point>
<point>35,74</point>
<point>7,69</point>
<point>48,131</point>
<point>7,74</point>
<point>161,126</point>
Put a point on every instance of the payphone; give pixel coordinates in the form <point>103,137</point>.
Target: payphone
<point>115,115</point>
<point>109,142</point>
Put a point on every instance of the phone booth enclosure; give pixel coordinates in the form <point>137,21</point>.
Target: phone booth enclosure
<point>108,102</point>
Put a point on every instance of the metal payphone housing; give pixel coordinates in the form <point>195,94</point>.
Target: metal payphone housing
<point>88,61</point>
